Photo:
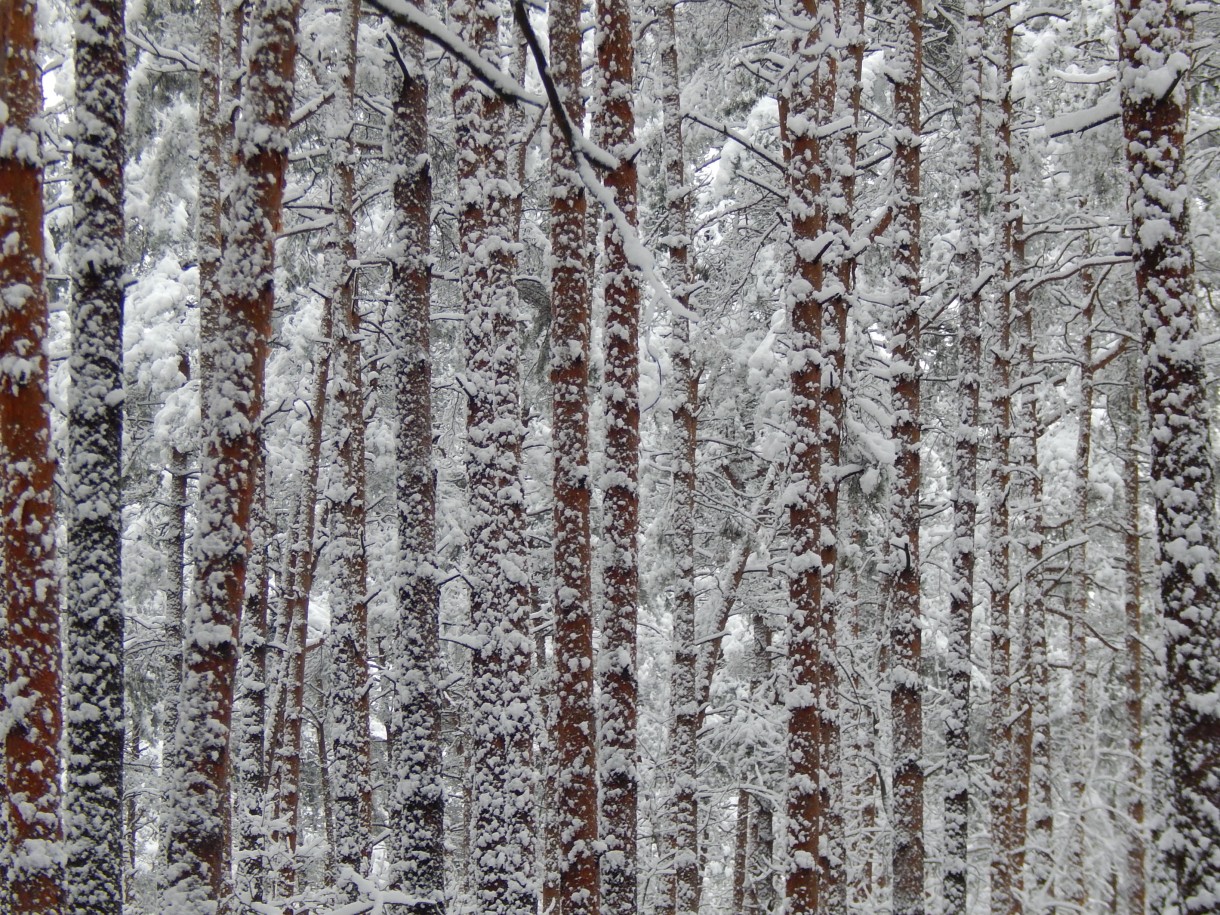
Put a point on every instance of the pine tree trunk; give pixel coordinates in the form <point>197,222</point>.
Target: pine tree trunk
<point>1153,64</point>
<point>807,100</point>
<point>234,349</point>
<point>906,703</point>
<point>415,799</point>
<point>617,669</point>
<point>502,820</point>
<point>683,741</point>
<point>33,879</point>
<point>575,726</point>
<point>250,704</point>
<point>965,470</point>
<point>1009,788</point>
<point>1135,881</point>
<point>93,814</point>
<point>348,700</point>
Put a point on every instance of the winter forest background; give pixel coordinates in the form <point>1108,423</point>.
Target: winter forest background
<point>663,457</point>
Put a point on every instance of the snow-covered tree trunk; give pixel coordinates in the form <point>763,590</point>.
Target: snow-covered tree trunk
<point>250,704</point>
<point>347,705</point>
<point>1077,882</point>
<point>683,740</point>
<point>292,624</point>
<point>234,348</point>
<point>1133,647</point>
<point>906,690</point>
<point>807,101</point>
<point>415,799</point>
<point>958,628</point>
<point>575,726</point>
<point>93,813</point>
<point>502,780</point>
<point>32,858</point>
<point>1155,40</point>
<point>617,669</point>
<point>1008,800</point>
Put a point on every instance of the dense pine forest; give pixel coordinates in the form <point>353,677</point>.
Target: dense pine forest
<point>594,456</point>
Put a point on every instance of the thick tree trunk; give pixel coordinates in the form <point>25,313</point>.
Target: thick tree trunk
<point>575,725</point>
<point>806,101</point>
<point>93,815</point>
<point>1153,64</point>
<point>33,878</point>
<point>502,790</point>
<point>234,349</point>
<point>617,670</point>
<point>415,799</point>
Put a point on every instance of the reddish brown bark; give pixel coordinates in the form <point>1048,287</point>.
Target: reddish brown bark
<point>33,867</point>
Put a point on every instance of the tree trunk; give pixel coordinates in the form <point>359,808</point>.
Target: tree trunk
<point>906,704</point>
<point>502,821</point>
<point>965,469</point>
<point>617,670</point>
<point>575,726</point>
<point>807,99</point>
<point>683,741</point>
<point>234,345</point>
<point>93,814</point>
<point>415,799</point>
<point>1154,58</point>
<point>347,723</point>
<point>250,713</point>
<point>33,879</point>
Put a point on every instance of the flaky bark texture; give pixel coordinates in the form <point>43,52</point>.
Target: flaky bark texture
<point>1154,43</point>
<point>502,781</point>
<point>347,642</point>
<point>31,724</point>
<point>415,801</point>
<point>234,349</point>
<point>575,726</point>
<point>1009,798</point>
<point>906,702</point>
<point>93,815</point>
<point>807,100</point>
<point>965,469</point>
<point>617,670</point>
<point>683,739</point>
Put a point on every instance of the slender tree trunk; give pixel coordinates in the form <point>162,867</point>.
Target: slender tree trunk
<point>1009,788</point>
<point>33,879</point>
<point>807,100</point>
<point>906,703</point>
<point>250,713</point>
<point>416,795</point>
<point>502,820</point>
<point>683,742</point>
<point>1154,58</point>
<point>93,814</point>
<point>234,349</point>
<point>575,726</point>
<point>1078,642</point>
<point>1136,867</point>
<point>617,671</point>
<point>965,469</point>
<point>348,700</point>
